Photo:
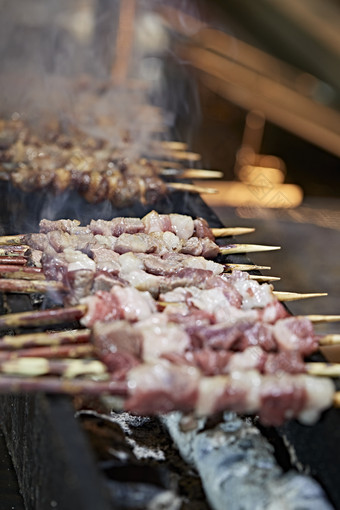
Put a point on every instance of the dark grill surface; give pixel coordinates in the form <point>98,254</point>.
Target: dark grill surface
<point>51,452</point>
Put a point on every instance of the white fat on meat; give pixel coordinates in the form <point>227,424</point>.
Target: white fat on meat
<point>129,262</point>
<point>250,383</point>
<point>288,337</point>
<point>106,260</point>
<point>249,359</point>
<point>320,393</point>
<point>237,391</point>
<point>143,281</point>
<point>202,263</point>
<point>132,271</point>
<point>178,295</point>
<point>254,295</point>
<point>107,241</point>
<point>135,305</point>
<point>161,337</point>
<point>210,391</point>
<point>212,301</point>
<point>182,225</point>
<point>77,260</point>
<point>166,242</point>
<point>215,302</point>
<point>161,387</point>
<point>153,222</point>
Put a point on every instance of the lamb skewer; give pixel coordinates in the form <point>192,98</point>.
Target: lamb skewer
<point>67,368</point>
<point>21,272</point>
<point>38,318</point>
<point>50,343</point>
<point>294,296</point>
<point>184,226</point>
<point>13,260</point>
<point>46,384</point>
<point>44,339</point>
<point>13,251</point>
<point>20,276</point>
<point>59,315</point>
<point>192,173</point>
<point>60,361</point>
<point>52,316</point>
<point>28,286</point>
<point>63,351</point>
<point>147,391</point>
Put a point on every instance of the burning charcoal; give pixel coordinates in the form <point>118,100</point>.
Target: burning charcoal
<point>237,465</point>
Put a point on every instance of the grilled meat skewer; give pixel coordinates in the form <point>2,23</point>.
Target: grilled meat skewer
<point>162,388</point>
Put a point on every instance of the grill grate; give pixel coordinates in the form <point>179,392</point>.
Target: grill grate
<point>50,449</point>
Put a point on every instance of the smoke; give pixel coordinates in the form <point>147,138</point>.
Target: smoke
<point>59,59</point>
<point>56,62</point>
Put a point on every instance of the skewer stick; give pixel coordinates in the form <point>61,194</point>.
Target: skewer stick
<point>28,340</point>
<point>246,248</point>
<point>197,173</point>
<point>323,318</point>
<point>13,239</point>
<point>51,351</point>
<point>293,296</point>
<point>42,317</point>
<point>262,278</point>
<point>332,339</point>
<point>13,250</point>
<point>16,253</point>
<point>31,270</point>
<point>30,286</point>
<point>244,267</point>
<point>231,231</point>
<point>51,384</point>
<point>22,275</point>
<point>323,369</point>
<point>22,261</point>
<point>191,173</point>
<point>41,366</point>
<point>12,384</point>
<point>336,399</point>
<point>192,188</point>
<point>165,164</point>
<point>169,144</point>
<point>179,155</point>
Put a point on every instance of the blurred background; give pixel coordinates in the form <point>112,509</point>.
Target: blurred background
<point>254,87</point>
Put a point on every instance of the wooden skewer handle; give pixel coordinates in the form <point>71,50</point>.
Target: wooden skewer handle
<point>29,286</point>
<point>22,261</point>
<point>191,188</point>
<point>293,296</point>
<point>12,268</point>
<point>333,339</point>
<point>246,248</point>
<point>13,240</point>
<point>36,366</point>
<point>42,317</point>
<point>323,369</point>
<point>336,399</point>
<point>323,318</point>
<point>55,351</point>
<point>43,339</point>
<point>231,231</point>
<point>15,384</point>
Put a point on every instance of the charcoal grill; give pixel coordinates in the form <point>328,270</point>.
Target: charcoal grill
<point>55,463</point>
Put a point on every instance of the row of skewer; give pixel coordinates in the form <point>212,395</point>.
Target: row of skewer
<point>63,361</point>
<point>95,169</point>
